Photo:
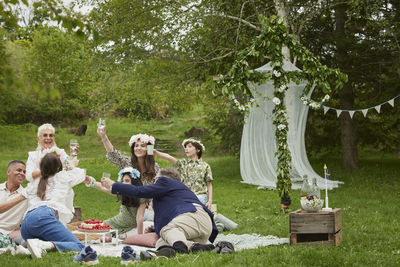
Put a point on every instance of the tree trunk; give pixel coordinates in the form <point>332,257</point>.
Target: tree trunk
<point>346,95</point>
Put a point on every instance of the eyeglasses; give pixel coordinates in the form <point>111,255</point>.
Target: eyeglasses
<point>48,135</point>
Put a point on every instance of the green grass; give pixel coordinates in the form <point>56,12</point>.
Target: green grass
<point>368,199</point>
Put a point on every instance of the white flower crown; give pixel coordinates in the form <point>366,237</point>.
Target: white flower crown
<point>142,137</point>
<point>191,140</point>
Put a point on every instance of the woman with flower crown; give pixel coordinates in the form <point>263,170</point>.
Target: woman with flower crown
<point>131,211</point>
<point>139,159</point>
<point>47,144</point>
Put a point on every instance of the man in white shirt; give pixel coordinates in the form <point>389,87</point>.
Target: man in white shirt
<point>12,204</point>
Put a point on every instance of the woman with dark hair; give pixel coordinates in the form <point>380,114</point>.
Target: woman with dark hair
<point>131,211</point>
<point>43,225</point>
<point>139,158</point>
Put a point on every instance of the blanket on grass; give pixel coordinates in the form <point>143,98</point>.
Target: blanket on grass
<point>240,242</point>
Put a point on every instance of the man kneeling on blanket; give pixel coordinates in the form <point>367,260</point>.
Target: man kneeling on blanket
<point>180,219</point>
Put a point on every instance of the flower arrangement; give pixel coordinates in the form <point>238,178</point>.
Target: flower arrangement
<point>311,203</point>
<point>191,140</point>
<point>143,138</point>
<point>133,173</point>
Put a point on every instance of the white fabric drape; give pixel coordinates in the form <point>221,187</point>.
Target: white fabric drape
<point>257,153</point>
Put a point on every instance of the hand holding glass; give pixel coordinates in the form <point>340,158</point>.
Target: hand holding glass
<point>101,124</point>
<point>73,146</point>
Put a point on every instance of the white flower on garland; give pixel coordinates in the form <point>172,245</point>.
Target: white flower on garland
<point>282,88</point>
<point>276,73</point>
<point>305,102</point>
<point>276,101</point>
<point>326,98</point>
<point>281,127</point>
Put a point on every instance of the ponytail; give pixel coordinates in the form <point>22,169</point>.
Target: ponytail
<point>49,166</point>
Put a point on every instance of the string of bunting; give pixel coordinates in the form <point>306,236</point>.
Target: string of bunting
<point>364,110</point>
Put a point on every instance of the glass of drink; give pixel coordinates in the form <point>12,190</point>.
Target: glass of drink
<point>101,124</point>
<point>73,146</point>
<point>150,149</point>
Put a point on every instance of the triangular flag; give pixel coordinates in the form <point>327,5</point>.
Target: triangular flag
<point>364,111</point>
<point>325,110</point>
<point>338,111</point>
<point>391,102</point>
<point>378,108</point>
<point>351,113</point>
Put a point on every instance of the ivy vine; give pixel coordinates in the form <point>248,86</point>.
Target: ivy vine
<point>268,44</point>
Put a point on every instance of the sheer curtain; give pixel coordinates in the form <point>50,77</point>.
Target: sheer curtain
<point>257,153</point>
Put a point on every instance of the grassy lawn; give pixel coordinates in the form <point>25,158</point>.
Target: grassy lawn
<point>368,199</point>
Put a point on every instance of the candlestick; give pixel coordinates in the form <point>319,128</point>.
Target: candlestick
<point>326,191</point>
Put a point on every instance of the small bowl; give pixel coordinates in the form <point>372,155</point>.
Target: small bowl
<point>314,205</point>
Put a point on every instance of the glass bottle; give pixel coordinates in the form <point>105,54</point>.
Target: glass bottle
<point>305,188</point>
<point>315,189</point>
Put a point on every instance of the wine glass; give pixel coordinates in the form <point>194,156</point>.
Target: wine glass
<point>101,124</point>
<point>73,146</point>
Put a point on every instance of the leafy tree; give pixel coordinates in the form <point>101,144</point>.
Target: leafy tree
<point>52,73</point>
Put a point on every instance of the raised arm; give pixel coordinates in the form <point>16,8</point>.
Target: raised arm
<point>11,203</point>
<point>106,142</point>
<point>165,156</point>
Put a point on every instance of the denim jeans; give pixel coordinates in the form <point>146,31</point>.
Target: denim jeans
<point>42,223</point>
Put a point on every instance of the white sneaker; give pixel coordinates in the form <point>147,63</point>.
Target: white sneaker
<point>38,247</point>
<point>22,251</point>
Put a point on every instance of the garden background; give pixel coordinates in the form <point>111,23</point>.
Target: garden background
<point>149,67</point>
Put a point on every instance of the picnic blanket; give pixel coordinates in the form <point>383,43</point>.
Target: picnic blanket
<point>240,242</point>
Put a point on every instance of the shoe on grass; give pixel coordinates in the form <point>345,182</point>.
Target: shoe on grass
<point>128,255</point>
<point>161,252</point>
<point>38,247</point>
<point>180,247</point>
<point>87,256</point>
<point>202,247</point>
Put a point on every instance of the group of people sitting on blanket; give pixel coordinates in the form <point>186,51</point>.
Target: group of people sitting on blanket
<point>177,199</point>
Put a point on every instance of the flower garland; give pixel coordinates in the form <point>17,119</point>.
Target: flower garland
<point>269,44</point>
<point>191,140</point>
<point>133,173</point>
<point>142,137</point>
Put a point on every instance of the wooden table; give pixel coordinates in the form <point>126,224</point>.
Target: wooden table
<point>320,228</point>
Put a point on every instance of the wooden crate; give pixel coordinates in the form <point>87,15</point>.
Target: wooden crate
<point>321,228</point>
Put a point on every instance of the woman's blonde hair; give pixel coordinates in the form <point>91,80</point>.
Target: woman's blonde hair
<point>46,126</point>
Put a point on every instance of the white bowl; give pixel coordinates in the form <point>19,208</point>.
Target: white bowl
<point>314,205</point>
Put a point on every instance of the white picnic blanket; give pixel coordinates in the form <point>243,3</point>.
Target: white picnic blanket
<point>240,242</point>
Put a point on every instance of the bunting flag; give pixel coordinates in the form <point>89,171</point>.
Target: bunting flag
<point>364,110</point>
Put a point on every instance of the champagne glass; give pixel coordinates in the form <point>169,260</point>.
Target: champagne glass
<point>101,124</point>
<point>73,146</point>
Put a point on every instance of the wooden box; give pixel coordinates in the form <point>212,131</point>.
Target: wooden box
<point>321,228</point>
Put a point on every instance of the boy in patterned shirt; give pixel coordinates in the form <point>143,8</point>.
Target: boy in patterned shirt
<point>195,173</point>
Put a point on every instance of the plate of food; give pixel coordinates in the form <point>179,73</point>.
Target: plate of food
<point>94,226</point>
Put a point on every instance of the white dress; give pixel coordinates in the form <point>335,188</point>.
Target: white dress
<point>58,193</point>
<point>34,157</point>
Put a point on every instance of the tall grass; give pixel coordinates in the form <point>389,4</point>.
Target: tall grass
<point>368,199</point>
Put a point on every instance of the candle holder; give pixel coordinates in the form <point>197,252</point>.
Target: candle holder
<point>326,191</point>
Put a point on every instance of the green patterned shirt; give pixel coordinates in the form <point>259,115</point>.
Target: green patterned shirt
<point>195,174</point>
